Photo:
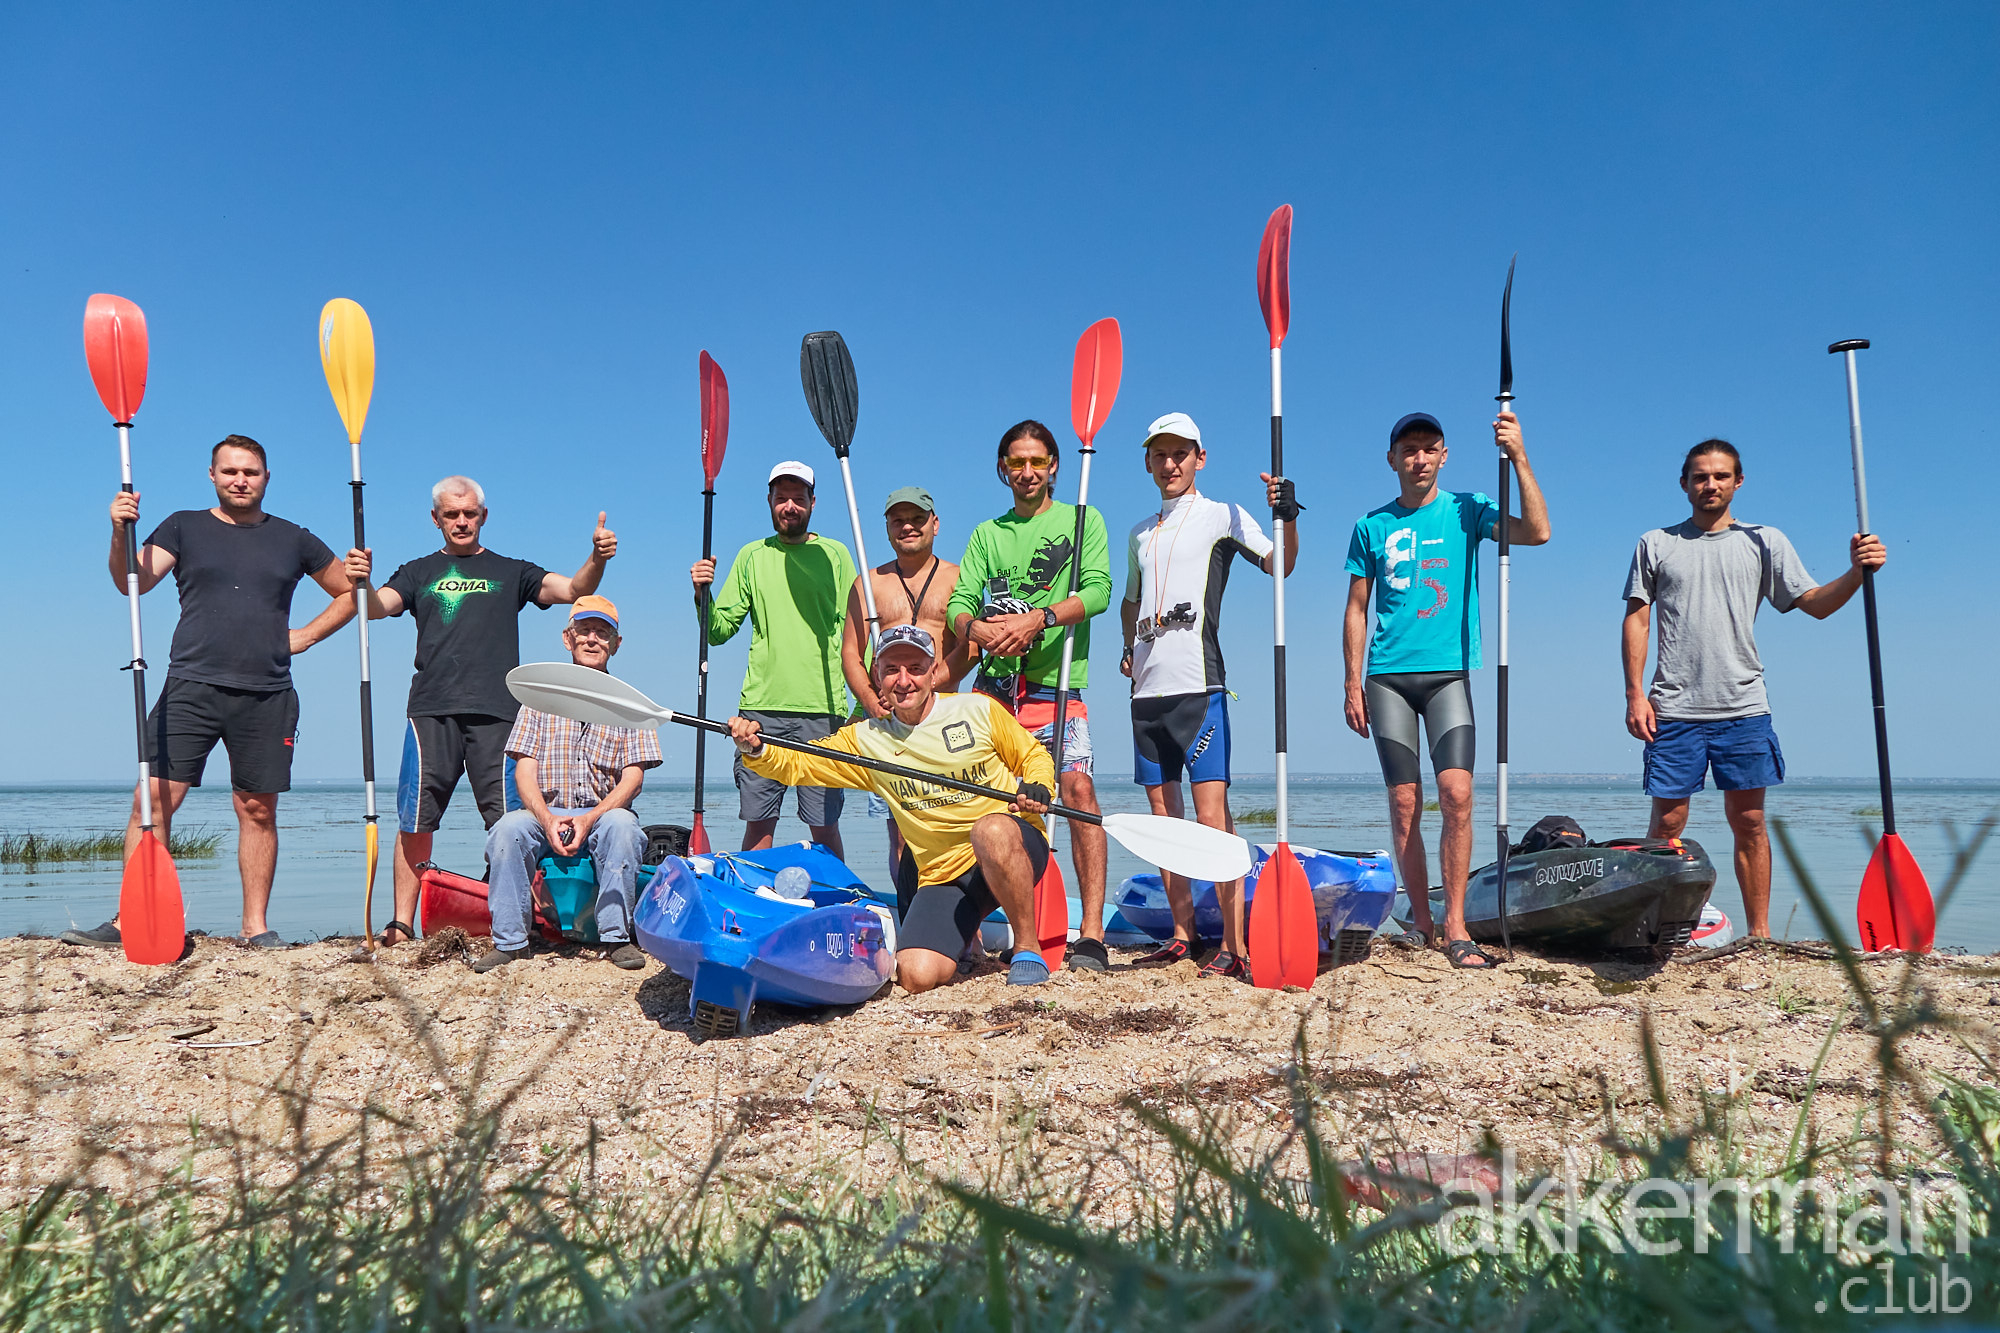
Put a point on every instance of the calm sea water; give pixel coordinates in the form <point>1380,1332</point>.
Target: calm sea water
<point>318,889</point>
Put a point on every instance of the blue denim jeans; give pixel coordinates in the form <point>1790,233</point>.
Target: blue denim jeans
<point>515,847</point>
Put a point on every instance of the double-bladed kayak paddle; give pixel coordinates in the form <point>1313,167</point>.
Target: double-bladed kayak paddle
<point>1894,909</point>
<point>714,439</point>
<point>152,921</point>
<point>347,355</point>
<point>587,695</point>
<point>1283,935</point>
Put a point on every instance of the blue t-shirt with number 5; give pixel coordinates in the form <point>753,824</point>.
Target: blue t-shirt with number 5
<point>1424,564</point>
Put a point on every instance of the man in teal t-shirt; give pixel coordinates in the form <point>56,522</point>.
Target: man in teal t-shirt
<point>1012,601</point>
<point>1419,555</point>
<point>792,587</point>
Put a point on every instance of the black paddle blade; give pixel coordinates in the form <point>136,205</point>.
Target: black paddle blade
<point>827,372</point>
<point>1506,394</point>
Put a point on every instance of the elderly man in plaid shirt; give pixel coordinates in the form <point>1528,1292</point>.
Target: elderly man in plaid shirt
<point>577,782</point>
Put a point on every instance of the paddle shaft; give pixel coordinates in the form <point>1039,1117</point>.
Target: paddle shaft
<point>701,668</point>
<point>882,766</point>
<point>1506,401</point>
<point>137,666</point>
<point>361,623</point>
<point>860,553</point>
<point>1069,631</point>
<point>1278,596</point>
<point>1868,593</point>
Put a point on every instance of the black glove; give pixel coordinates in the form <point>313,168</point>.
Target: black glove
<point>1035,792</point>
<point>1288,506</point>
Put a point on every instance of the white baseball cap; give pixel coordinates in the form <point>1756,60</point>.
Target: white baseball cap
<point>1174,423</point>
<point>793,468</point>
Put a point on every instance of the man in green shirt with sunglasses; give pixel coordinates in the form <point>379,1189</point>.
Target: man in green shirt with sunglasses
<point>1012,602</point>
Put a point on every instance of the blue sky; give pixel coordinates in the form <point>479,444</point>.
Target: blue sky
<point>549,211</point>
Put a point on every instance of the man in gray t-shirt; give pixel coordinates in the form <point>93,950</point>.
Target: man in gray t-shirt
<point>1707,709</point>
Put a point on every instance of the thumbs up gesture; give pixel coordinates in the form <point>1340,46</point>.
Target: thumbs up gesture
<point>603,542</point>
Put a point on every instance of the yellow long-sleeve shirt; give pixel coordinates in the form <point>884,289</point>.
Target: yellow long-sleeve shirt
<point>966,736</point>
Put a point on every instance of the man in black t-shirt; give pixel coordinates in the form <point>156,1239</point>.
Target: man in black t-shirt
<point>229,678</point>
<point>467,602</point>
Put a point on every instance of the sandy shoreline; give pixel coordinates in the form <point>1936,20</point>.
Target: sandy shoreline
<point>1410,1055</point>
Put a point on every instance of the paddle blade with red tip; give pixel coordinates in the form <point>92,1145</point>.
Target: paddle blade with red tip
<point>151,920</point>
<point>1284,928</point>
<point>1093,382</point>
<point>1052,915</point>
<point>1274,274</point>
<point>114,341</point>
<point>1895,910</point>
<point>714,417</point>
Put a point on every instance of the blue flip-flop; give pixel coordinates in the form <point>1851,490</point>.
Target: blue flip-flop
<point>1027,969</point>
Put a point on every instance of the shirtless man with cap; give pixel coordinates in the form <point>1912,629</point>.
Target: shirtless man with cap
<point>910,589</point>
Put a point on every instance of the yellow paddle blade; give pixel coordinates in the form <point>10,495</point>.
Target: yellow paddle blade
<point>347,354</point>
<point>374,850</point>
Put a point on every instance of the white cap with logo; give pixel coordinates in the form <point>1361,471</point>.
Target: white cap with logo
<point>1174,423</point>
<point>793,468</point>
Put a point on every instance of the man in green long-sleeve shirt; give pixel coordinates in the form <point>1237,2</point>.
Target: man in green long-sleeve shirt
<point>792,587</point>
<point>1013,601</point>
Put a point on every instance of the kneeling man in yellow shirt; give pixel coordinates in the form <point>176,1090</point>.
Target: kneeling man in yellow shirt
<point>966,854</point>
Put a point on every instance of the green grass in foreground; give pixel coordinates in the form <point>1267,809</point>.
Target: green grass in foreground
<point>34,849</point>
<point>1257,816</point>
<point>437,1234</point>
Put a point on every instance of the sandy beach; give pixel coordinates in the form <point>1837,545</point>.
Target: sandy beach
<point>265,1055</point>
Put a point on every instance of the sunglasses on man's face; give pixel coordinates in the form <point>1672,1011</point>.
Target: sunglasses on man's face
<point>588,629</point>
<point>1039,462</point>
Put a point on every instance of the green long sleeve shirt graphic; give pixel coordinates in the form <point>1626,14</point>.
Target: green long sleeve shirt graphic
<point>795,598</point>
<point>1034,555</point>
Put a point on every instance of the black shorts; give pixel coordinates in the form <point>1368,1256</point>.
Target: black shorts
<point>257,727</point>
<point>943,917</point>
<point>436,750</point>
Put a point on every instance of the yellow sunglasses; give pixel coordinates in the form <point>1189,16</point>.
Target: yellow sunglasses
<point>1039,462</point>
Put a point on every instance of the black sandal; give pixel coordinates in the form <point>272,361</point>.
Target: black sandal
<point>409,933</point>
<point>1416,941</point>
<point>1457,951</point>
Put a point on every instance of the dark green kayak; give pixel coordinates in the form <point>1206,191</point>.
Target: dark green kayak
<point>1630,893</point>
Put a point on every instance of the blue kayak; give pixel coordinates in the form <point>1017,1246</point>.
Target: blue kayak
<point>706,921</point>
<point>1352,894</point>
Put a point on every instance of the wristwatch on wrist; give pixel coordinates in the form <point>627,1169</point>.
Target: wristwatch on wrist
<point>1127,655</point>
<point>1048,617</point>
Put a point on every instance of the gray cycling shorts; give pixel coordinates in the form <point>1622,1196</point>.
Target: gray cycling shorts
<point>1442,701</point>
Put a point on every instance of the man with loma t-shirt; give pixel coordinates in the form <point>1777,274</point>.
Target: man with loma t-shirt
<point>1707,709</point>
<point>1419,554</point>
<point>467,603</point>
<point>229,678</point>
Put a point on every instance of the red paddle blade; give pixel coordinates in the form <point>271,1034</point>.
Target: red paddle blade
<point>1274,274</point>
<point>1093,382</point>
<point>1895,909</point>
<point>150,918</point>
<point>714,421</point>
<point>1052,915</point>
<point>698,838</point>
<point>1284,928</point>
<point>114,342</point>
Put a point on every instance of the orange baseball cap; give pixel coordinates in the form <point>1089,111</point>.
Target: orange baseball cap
<point>594,607</point>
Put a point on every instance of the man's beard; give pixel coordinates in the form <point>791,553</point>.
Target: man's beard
<point>790,527</point>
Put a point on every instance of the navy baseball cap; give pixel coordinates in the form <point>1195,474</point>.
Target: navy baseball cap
<point>1413,421</point>
<point>920,639</point>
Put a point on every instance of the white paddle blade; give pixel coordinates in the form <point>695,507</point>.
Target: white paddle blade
<point>584,694</point>
<point>1182,846</point>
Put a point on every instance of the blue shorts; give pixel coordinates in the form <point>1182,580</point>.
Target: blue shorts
<point>1743,751</point>
<point>1181,733</point>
